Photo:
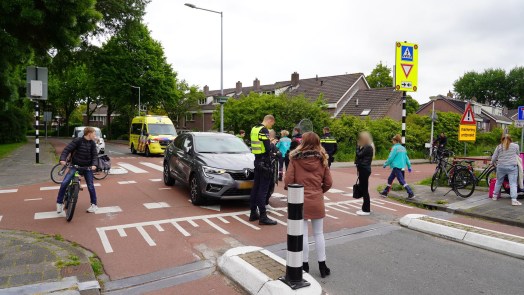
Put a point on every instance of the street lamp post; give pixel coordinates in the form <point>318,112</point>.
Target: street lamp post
<point>138,97</point>
<point>221,59</point>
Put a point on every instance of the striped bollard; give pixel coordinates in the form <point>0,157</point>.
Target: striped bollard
<point>295,223</point>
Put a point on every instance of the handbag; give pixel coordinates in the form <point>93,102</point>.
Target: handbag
<point>357,194</point>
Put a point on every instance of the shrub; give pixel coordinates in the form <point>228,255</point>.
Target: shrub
<point>13,125</point>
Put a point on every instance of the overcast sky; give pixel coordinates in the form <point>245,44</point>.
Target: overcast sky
<point>271,39</point>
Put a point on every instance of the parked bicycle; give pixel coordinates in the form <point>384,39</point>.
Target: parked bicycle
<point>59,171</point>
<point>456,175</point>
<point>489,172</point>
<point>71,194</point>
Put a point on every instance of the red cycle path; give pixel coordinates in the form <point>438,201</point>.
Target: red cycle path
<point>138,240</point>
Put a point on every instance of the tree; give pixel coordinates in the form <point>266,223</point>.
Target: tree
<point>380,77</point>
<point>493,87</point>
<point>516,85</point>
<point>247,111</point>
<point>412,105</point>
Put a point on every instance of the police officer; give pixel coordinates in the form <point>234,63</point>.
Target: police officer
<point>329,143</point>
<point>260,147</point>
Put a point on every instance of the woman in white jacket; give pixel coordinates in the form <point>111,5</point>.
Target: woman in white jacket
<point>505,158</point>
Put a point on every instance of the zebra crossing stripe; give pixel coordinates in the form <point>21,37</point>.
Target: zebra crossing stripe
<point>49,188</point>
<point>7,191</point>
<point>122,232</point>
<point>154,166</point>
<point>159,227</point>
<point>180,229</point>
<point>225,232</point>
<point>146,236</point>
<point>132,168</point>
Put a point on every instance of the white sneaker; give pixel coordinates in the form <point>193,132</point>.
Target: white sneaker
<point>516,203</point>
<point>92,208</point>
<point>268,207</point>
<point>362,213</point>
<point>59,208</point>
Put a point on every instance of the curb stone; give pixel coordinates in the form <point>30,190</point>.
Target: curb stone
<point>253,279</point>
<point>466,234</point>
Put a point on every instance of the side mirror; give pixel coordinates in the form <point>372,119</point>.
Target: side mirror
<point>72,136</point>
<point>104,136</point>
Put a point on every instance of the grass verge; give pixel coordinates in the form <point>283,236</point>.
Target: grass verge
<point>6,149</point>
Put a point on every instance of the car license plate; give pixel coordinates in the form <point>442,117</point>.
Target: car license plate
<point>244,184</point>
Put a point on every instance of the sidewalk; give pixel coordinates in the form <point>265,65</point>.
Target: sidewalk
<point>32,263</point>
<point>477,205</point>
<point>20,166</point>
<point>374,163</point>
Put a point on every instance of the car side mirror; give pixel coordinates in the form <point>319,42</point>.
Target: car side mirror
<point>72,136</point>
<point>104,136</point>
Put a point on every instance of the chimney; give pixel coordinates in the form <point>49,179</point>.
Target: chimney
<point>294,79</point>
<point>206,90</point>
<point>239,87</point>
<point>449,94</point>
<point>321,82</point>
<point>356,102</point>
<point>316,78</point>
<point>256,85</point>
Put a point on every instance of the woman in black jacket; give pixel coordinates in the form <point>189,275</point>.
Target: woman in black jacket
<point>365,154</point>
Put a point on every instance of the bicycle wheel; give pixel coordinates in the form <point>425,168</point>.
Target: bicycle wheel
<point>463,182</point>
<point>72,204</point>
<point>436,179</point>
<point>67,197</point>
<point>100,174</point>
<point>59,172</point>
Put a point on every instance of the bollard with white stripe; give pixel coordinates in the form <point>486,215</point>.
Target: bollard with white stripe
<point>295,209</point>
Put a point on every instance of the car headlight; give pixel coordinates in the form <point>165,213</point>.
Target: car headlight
<point>208,171</point>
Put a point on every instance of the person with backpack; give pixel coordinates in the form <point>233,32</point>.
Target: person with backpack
<point>83,154</point>
<point>397,160</point>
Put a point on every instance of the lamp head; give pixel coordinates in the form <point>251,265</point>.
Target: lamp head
<point>190,5</point>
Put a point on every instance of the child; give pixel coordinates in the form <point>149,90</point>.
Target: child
<point>397,160</point>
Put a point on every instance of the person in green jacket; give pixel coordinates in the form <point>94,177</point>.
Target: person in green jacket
<point>397,160</point>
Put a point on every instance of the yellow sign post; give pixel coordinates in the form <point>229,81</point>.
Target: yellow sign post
<point>406,66</point>
<point>467,132</point>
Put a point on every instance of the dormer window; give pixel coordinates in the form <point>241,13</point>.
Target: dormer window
<point>202,101</point>
<point>365,112</point>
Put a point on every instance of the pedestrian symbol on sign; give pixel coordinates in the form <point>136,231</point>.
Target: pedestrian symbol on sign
<point>407,53</point>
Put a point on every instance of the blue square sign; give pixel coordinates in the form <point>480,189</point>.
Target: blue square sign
<point>407,53</point>
<point>521,113</point>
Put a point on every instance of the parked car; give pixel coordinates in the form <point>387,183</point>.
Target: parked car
<point>213,165</point>
<point>100,143</point>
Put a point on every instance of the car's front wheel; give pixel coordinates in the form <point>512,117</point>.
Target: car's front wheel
<point>194,191</point>
<point>168,179</point>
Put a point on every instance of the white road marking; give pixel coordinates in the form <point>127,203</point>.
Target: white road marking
<point>245,222</point>
<point>351,205</point>
<point>194,224</point>
<point>156,180</point>
<point>180,229</point>
<point>350,187</point>
<point>85,185</point>
<point>164,188</point>
<point>104,210</point>
<point>146,236</point>
<point>213,207</point>
<point>118,153</point>
<point>348,195</point>
<point>376,174</point>
<point>225,232</point>
<point>132,168</point>
<point>159,227</point>
<point>275,212</point>
<point>156,205</point>
<point>0,217</point>
<point>49,188</point>
<point>7,191</point>
<point>126,182</point>
<point>47,215</point>
<point>154,166</point>
<point>341,210</point>
<point>396,204</point>
<point>387,208</point>
<point>331,216</point>
<point>326,198</point>
<point>35,199</point>
<point>122,232</point>
<point>222,219</point>
<point>278,220</point>
<point>334,191</point>
<point>105,241</point>
<point>278,195</point>
<point>117,170</point>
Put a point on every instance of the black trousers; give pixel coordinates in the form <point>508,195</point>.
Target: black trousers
<point>260,189</point>
<point>363,177</point>
<point>331,158</point>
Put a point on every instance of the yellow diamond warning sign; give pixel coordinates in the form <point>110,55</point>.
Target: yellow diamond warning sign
<point>467,132</point>
<point>406,66</point>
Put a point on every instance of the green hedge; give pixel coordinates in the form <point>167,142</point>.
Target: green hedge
<point>13,125</point>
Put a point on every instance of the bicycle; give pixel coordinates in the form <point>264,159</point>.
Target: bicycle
<point>71,194</point>
<point>459,177</point>
<point>59,171</point>
<point>487,173</point>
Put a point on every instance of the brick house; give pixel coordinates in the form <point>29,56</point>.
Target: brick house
<point>98,117</point>
<point>487,117</point>
<point>345,94</point>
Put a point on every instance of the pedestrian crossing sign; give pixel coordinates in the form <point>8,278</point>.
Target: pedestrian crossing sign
<point>406,66</point>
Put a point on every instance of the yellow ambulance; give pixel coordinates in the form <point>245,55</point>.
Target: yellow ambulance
<point>151,134</point>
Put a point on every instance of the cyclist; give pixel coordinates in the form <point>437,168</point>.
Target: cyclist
<point>440,143</point>
<point>84,154</point>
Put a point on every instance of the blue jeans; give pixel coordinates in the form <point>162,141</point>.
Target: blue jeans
<point>512,173</point>
<point>397,173</point>
<point>88,176</point>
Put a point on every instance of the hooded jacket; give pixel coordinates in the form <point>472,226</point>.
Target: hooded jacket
<point>306,168</point>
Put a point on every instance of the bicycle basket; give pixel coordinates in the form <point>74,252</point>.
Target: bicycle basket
<point>104,163</point>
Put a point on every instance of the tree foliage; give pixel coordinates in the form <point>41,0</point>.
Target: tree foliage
<point>380,77</point>
<point>247,111</point>
<point>493,87</point>
<point>412,105</point>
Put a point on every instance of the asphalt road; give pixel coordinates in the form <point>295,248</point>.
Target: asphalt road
<point>408,262</point>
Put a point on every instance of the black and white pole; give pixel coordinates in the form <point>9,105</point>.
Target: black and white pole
<point>403,121</point>
<point>295,223</point>
<point>37,142</point>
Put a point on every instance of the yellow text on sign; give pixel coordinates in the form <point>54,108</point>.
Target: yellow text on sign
<point>467,132</point>
<point>406,66</point>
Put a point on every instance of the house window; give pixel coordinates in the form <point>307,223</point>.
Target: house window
<point>202,101</point>
<point>190,117</point>
<point>269,92</point>
<point>365,112</point>
<point>215,100</point>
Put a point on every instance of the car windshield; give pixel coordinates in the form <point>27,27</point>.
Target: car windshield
<point>97,132</point>
<point>220,144</point>
<point>161,129</point>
